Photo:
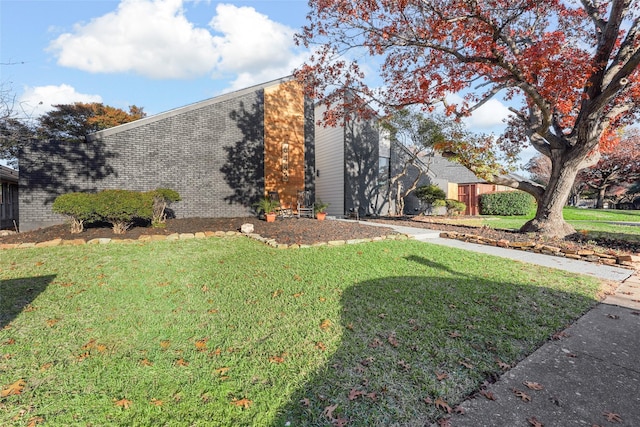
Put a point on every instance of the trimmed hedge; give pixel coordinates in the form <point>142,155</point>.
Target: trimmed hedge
<point>121,207</point>
<point>506,203</point>
<point>430,193</point>
<point>79,207</point>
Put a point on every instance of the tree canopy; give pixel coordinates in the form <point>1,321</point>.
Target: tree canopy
<point>570,68</point>
<point>76,121</point>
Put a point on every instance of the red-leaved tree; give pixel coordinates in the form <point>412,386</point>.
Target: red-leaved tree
<point>617,167</point>
<point>570,66</point>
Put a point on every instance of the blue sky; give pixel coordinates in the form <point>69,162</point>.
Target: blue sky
<point>156,54</point>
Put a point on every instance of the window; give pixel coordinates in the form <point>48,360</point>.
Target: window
<point>384,170</point>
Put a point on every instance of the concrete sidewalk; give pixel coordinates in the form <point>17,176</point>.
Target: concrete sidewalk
<point>590,376</point>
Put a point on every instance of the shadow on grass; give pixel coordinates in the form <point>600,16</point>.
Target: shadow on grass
<point>407,338</point>
<point>16,294</point>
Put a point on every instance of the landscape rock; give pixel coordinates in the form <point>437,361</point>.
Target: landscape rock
<point>247,228</point>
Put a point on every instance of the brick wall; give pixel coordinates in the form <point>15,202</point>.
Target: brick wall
<point>210,152</point>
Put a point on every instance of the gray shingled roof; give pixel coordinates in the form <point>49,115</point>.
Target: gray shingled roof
<point>451,171</point>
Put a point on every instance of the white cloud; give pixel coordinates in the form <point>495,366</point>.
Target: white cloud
<point>37,100</point>
<point>154,38</point>
<point>493,113</point>
<point>489,117</point>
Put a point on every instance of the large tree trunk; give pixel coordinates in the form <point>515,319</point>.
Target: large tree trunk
<point>549,220</point>
<point>600,200</point>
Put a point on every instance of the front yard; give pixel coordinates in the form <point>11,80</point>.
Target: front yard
<point>231,332</point>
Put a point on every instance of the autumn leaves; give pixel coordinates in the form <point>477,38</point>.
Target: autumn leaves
<point>232,331</point>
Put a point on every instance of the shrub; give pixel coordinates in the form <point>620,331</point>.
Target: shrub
<point>506,203</point>
<point>121,207</point>
<point>429,193</point>
<point>162,197</point>
<point>454,207</point>
<point>79,207</point>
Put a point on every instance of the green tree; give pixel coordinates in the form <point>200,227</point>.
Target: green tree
<point>414,136</point>
<point>571,70</point>
<point>73,122</point>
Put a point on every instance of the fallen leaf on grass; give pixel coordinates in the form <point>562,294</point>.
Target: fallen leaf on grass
<point>156,402</point>
<point>375,343</point>
<point>328,411</point>
<point>212,311</point>
<point>441,404</point>
<point>51,322</point>
<point>534,422</point>
<point>404,365</point>
<point>503,366</point>
<point>201,345</point>
<point>83,356</point>
<point>34,421</point>
<point>15,388</point>
<point>182,362</point>
<point>46,366</point>
<point>221,371</point>
<point>522,395</point>
<point>243,403</point>
<point>612,418</point>
<point>145,362</point>
<point>164,344</point>
<point>277,293</point>
<point>466,364</point>
<point>123,403</point>
<point>455,334</point>
<point>354,394</point>
<point>393,340</point>
<point>533,386</point>
<point>340,422</point>
<point>320,346</point>
<point>441,376</point>
<point>276,359</point>
<point>305,402</point>
<point>325,324</point>
<point>10,341</point>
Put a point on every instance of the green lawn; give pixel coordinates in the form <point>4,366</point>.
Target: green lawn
<point>232,332</point>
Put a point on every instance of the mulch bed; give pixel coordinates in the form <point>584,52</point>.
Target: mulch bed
<point>576,241</point>
<point>305,231</point>
<point>301,231</point>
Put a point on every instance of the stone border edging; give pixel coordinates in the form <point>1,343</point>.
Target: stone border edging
<point>577,254</point>
<point>198,235</point>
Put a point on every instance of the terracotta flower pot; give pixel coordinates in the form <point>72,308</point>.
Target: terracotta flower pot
<point>271,217</point>
<point>321,216</point>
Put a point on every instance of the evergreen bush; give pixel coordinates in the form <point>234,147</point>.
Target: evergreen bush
<point>121,208</point>
<point>162,197</point>
<point>79,207</point>
<point>506,203</point>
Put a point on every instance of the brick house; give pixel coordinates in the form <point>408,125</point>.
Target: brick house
<point>222,155</point>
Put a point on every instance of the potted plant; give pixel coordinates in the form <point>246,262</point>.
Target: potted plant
<point>320,209</point>
<point>268,206</point>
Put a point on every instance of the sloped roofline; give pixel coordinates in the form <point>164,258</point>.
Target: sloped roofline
<point>8,174</point>
<point>180,110</point>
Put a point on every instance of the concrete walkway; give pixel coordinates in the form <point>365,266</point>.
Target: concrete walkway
<point>589,377</point>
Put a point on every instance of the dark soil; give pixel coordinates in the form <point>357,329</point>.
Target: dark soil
<point>575,241</point>
<point>303,231</point>
<point>310,231</point>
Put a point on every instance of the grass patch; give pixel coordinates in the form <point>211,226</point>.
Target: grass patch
<point>231,332</point>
